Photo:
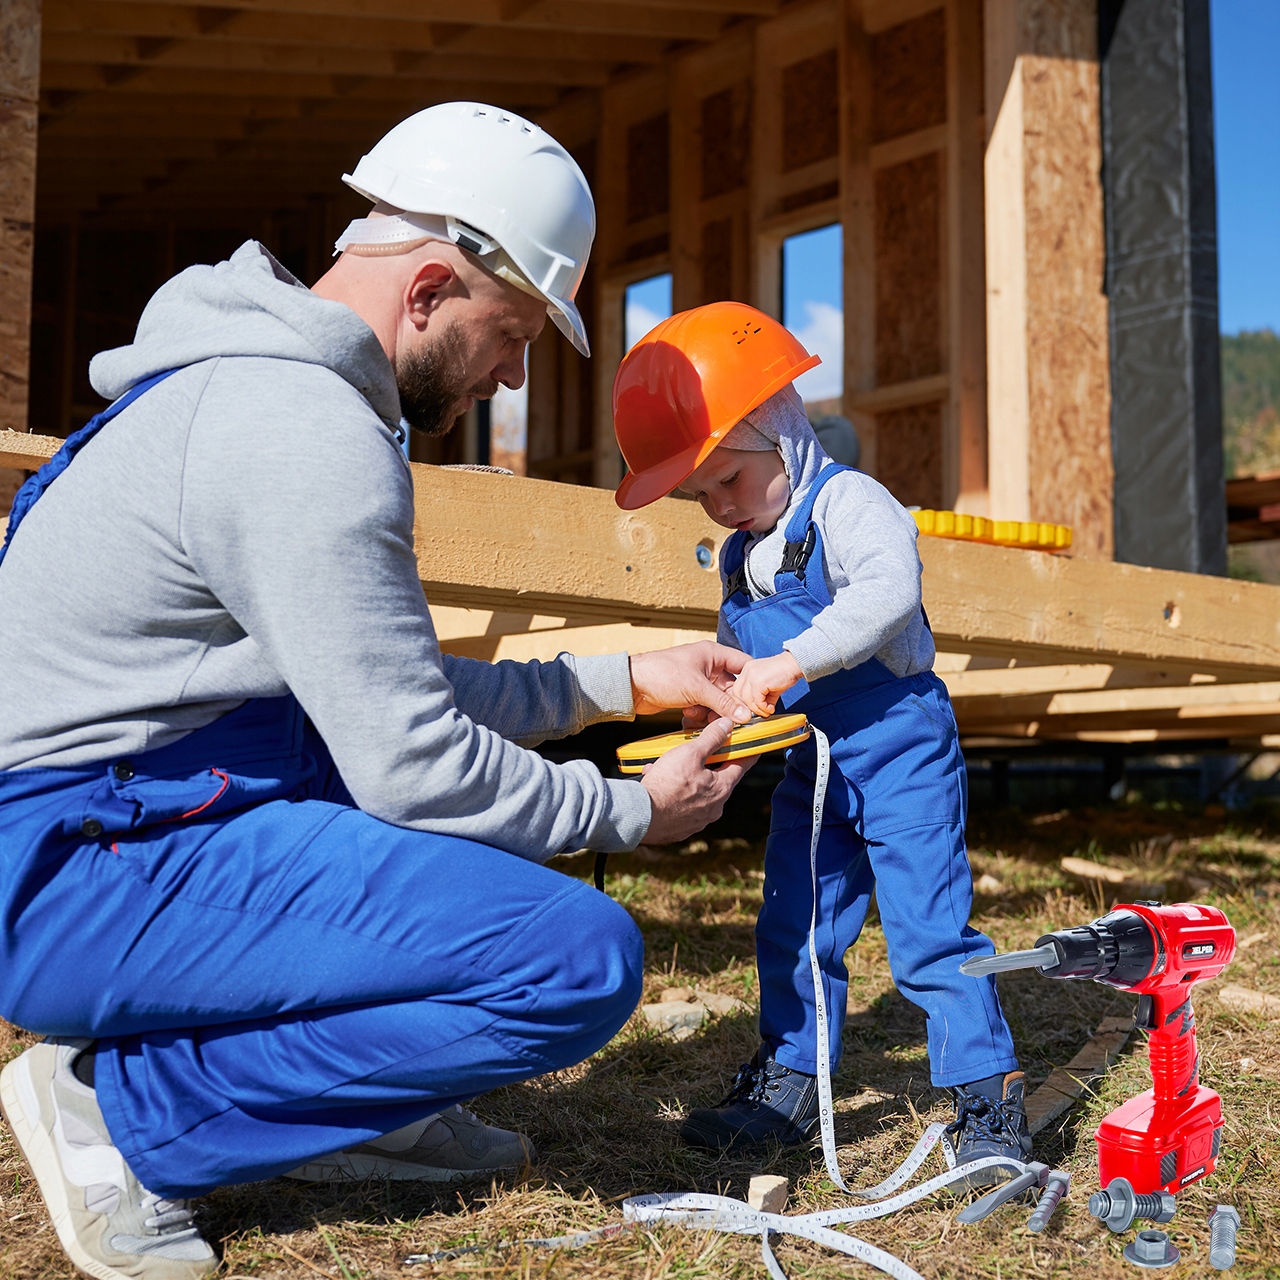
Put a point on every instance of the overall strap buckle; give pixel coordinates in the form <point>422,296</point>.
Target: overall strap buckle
<point>737,581</point>
<point>795,555</point>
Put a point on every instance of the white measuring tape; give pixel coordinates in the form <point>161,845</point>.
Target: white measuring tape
<point>723,1213</point>
<point>736,1217</point>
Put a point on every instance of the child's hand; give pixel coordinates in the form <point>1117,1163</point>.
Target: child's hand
<point>761,681</point>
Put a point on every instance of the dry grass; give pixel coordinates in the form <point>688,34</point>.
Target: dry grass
<point>608,1128</point>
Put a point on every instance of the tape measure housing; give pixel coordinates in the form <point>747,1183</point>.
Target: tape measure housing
<point>764,733</point>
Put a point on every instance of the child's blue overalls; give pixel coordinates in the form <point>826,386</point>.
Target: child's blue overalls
<point>271,973</point>
<point>893,821</point>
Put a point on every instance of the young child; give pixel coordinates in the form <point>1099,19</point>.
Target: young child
<point>822,589</point>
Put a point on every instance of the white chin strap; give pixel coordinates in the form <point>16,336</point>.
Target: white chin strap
<point>394,231</point>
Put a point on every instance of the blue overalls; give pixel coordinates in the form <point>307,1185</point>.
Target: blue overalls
<point>893,821</point>
<point>271,973</point>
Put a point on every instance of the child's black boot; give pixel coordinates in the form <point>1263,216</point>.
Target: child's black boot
<point>767,1103</point>
<point>991,1120</point>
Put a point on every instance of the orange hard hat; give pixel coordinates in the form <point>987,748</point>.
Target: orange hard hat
<point>687,383</point>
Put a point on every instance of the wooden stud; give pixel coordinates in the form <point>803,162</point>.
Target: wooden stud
<point>19,96</point>
<point>1047,331</point>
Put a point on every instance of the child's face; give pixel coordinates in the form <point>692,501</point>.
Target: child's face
<point>741,488</point>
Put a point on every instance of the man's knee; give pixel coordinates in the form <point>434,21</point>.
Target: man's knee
<point>592,966</point>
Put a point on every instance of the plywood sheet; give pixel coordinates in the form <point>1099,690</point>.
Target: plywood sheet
<point>1068,373</point>
<point>726,139</point>
<point>909,458</point>
<point>17,212</point>
<point>810,110</point>
<point>908,279</point>
<point>909,77</point>
<point>648,168</point>
<point>717,260</point>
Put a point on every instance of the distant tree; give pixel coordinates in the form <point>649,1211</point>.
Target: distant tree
<point>1251,402</point>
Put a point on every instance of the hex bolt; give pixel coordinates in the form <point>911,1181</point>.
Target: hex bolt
<point>1151,1249</point>
<point>1056,1186</point>
<point>1224,1222</point>
<point>1118,1205</point>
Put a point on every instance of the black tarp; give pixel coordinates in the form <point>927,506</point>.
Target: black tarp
<point>1162,283</point>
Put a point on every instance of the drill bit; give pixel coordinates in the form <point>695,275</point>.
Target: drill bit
<point>1045,957</point>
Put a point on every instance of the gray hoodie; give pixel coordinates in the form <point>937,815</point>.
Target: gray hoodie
<point>245,529</point>
<point>869,553</point>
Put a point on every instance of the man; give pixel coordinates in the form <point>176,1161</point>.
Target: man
<point>257,879</point>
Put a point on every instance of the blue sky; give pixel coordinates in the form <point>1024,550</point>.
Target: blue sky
<point>1246,119</point>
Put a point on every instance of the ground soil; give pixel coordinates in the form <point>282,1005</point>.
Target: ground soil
<point>607,1129</point>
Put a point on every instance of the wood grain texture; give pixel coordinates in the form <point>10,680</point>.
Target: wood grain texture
<point>1069,388</point>
<point>909,459</point>
<point>909,76</point>
<point>908,265</point>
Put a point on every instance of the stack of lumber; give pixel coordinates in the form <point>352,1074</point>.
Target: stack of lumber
<point>1031,645</point>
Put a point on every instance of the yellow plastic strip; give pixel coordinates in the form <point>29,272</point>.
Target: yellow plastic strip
<point>1030,535</point>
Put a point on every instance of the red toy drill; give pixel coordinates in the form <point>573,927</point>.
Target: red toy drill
<point>1168,1137</point>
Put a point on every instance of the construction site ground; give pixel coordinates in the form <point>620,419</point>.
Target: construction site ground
<point>608,1128</point>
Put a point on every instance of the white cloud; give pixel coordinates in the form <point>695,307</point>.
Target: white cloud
<point>822,335</point>
<point>640,319</point>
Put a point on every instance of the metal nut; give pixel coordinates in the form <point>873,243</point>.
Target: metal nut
<point>1151,1249</point>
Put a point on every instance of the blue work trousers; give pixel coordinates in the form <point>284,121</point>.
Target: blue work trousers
<point>272,974</point>
<point>893,822</point>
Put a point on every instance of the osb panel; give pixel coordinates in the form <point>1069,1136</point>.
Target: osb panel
<point>1058,28</point>
<point>19,50</point>
<point>717,260</point>
<point>908,283</point>
<point>909,454</point>
<point>17,211</point>
<point>810,110</point>
<point>648,168</point>
<point>909,77</point>
<point>726,139</point>
<point>1067,337</point>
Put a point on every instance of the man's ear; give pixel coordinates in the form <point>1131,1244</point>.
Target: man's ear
<point>429,285</point>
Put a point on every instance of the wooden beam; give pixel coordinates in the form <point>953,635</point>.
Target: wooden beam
<point>679,21</point>
<point>533,546</point>
<point>19,94</point>
<point>246,26</point>
<point>115,52</point>
<point>1048,380</point>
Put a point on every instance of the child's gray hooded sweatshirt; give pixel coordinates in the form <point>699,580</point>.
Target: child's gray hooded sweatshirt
<point>245,530</point>
<point>870,562</point>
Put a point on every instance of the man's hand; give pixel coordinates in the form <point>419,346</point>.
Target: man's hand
<point>689,675</point>
<point>763,679</point>
<point>687,795</point>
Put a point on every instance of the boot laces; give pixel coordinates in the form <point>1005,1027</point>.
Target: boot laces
<point>169,1218</point>
<point>986,1118</point>
<point>752,1084</point>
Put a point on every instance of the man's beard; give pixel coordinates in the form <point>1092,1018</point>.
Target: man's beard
<point>432,380</point>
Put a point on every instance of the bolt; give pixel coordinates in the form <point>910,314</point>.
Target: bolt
<point>1118,1206</point>
<point>1151,1249</point>
<point>1224,1222</point>
<point>1055,1187</point>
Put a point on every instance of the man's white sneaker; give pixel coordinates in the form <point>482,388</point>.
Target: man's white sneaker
<point>111,1226</point>
<point>447,1147</point>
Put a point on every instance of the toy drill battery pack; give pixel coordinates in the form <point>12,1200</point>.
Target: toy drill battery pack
<point>764,733</point>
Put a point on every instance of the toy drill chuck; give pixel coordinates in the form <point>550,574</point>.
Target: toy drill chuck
<point>1168,1137</point>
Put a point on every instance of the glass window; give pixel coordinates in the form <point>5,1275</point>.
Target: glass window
<point>812,307</point>
<point>646,303</point>
<point>508,426</point>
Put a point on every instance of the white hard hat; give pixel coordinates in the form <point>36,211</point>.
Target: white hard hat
<point>489,171</point>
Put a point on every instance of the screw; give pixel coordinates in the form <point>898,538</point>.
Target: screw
<point>1118,1206</point>
<point>1151,1249</point>
<point>1224,1222</point>
<point>1055,1187</point>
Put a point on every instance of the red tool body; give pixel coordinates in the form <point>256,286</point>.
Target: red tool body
<point>1168,1137</point>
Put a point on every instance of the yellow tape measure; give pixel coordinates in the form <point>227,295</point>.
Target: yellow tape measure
<point>764,733</point>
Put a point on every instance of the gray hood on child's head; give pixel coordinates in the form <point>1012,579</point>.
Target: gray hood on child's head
<point>781,423</point>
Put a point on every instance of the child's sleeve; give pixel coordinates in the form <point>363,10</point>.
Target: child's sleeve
<point>869,546</point>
